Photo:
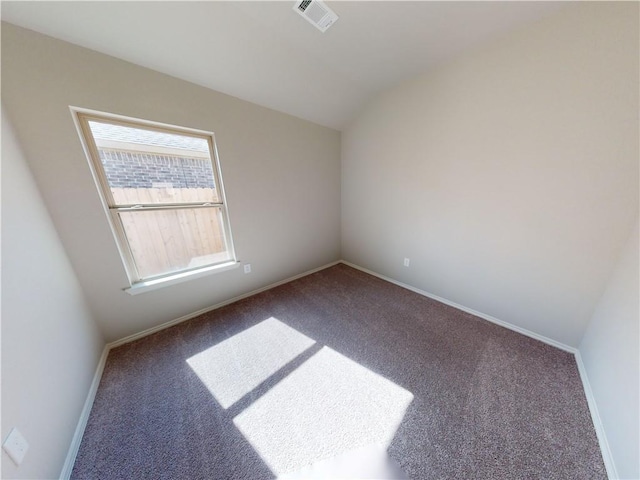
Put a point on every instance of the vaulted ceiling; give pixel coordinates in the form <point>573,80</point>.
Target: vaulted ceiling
<point>265,53</point>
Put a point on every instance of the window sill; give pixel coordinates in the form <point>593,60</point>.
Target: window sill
<point>147,286</point>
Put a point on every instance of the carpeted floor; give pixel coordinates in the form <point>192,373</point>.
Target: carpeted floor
<point>333,362</point>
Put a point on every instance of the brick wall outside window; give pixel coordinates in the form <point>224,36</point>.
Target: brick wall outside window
<point>141,170</point>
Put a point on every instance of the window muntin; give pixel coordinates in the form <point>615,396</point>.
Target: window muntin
<point>162,188</point>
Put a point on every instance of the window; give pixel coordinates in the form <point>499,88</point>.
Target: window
<point>163,191</point>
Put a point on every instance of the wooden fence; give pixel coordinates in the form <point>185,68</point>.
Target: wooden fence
<point>167,240</point>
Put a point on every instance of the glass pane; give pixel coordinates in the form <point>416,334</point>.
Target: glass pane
<point>149,167</point>
<point>165,241</point>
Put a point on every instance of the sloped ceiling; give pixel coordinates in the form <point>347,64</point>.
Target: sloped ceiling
<point>265,53</point>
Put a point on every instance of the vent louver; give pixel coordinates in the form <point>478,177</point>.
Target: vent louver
<point>317,13</point>
<point>303,5</point>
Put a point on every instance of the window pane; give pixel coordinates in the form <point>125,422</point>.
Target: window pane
<point>165,241</point>
<point>146,166</point>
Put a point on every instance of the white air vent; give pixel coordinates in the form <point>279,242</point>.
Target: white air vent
<point>316,13</point>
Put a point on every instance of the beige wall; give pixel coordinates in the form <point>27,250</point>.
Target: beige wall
<point>509,176</point>
<point>610,353</point>
<point>50,343</point>
<point>281,174</point>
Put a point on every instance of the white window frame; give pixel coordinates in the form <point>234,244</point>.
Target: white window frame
<point>81,117</point>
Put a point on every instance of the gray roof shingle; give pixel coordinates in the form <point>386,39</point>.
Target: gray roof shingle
<point>107,131</point>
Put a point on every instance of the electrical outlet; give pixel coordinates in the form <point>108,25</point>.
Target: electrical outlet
<point>406,262</point>
<point>16,446</point>
<point>247,268</point>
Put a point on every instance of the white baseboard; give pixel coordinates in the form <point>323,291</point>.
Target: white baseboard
<point>86,410</point>
<point>593,408</point>
<point>484,316</point>
<point>189,316</point>
<point>84,417</point>
<point>609,464</point>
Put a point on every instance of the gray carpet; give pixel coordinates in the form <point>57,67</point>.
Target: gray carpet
<point>333,362</point>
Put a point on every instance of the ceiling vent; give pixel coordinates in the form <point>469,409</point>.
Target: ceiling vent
<point>316,13</point>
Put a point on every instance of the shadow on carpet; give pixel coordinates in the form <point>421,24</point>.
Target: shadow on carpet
<point>328,364</point>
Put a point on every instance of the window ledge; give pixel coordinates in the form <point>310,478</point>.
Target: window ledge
<point>147,286</point>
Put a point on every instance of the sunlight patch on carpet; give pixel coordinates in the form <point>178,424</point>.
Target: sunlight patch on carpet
<point>326,407</point>
<point>234,367</point>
